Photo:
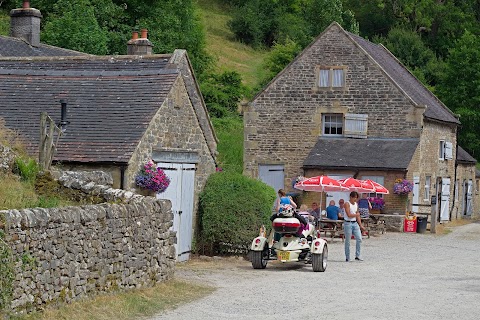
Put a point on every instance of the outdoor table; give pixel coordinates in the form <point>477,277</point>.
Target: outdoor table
<point>332,227</point>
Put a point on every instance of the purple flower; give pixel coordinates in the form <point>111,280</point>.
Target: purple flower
<point>402,186</point>
<point>152,178</point>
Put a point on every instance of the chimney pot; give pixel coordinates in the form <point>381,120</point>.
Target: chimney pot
<point>134,35</point>
<point>26,4</point>
<point>25,24</point>
<point>144,33</point>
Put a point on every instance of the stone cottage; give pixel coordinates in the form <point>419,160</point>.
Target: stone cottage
<point>347,107</point>
<point>121,112</point>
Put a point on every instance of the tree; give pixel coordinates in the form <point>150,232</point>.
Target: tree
<point>74,26</point>
<point>460,88</point>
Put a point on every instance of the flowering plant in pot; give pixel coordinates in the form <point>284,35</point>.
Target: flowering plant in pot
<point>402,187</point>
<point>152,178</point>
<point>377,203</point>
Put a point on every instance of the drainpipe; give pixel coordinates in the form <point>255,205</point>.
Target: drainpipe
<point>455,177</point>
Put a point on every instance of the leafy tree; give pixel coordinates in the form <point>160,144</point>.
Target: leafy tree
<point>460,88</point>
<point>278,58</point>
<point>266,22</point>
<point>222,93</point>
<point>74,26</point>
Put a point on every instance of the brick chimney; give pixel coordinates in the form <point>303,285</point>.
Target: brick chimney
<point>139,46</point>
<point>25,24</point>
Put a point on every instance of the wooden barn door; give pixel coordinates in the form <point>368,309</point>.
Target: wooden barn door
<point>181,193</point>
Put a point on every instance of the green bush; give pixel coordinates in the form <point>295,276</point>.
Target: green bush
<point>26,168</point>
<point>229,132</point>
<point>232,210</point>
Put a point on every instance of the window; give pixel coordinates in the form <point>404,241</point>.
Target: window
<point>377,179</point>
<point>332,124</point>
<point>331,77</point>
<point>427,187</point>
<point>441,151</point>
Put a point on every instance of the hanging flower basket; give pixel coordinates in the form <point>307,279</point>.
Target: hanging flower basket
<point>152,178</point>
<point>402,187</point>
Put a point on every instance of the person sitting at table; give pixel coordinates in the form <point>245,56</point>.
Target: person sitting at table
<point>315,211</point>
<point>304,213</point>
<point>333,212</point>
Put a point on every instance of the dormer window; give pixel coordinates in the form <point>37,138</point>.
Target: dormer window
<point>331,77</point>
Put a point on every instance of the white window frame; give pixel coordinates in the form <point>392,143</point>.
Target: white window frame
<point>328,77</point>
<point>377,179</point>
<point>327,118</point>
<point>441,150</point>
<point>426,190</point>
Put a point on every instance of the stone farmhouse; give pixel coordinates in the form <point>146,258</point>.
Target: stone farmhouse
<point>347,107</point>
<point>121,112</point>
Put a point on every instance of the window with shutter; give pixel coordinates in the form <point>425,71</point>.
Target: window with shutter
<point>448,151</point>
<point>356,125</point>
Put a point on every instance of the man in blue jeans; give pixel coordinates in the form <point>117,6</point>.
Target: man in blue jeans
<point>352,224</point>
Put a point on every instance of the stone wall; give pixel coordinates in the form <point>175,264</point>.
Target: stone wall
<point>63,254</point>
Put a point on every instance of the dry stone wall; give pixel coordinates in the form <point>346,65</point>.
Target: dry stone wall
<point>62,254</point>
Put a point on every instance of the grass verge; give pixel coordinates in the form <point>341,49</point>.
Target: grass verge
<point>229,132</point>
<point>230,54</point>
<point>136,304</point>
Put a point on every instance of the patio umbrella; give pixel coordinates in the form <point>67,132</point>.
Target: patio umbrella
<point>320,184</point>
<point>357,185</point>
<point>377,187</point>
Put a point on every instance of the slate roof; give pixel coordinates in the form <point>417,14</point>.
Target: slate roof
<point>464,157</point>
<point>111,102</point>
<point>435,109</point>
<point>16,47</point>
<point>378,154</point>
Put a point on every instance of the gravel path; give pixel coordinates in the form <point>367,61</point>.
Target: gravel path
<point>404,276</point>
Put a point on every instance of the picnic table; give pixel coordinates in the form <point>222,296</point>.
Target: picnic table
<point>334,228</point>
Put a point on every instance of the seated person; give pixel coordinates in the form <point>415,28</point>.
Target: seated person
<point>333,212</point>
<point>315,211</point>
<point>341,204</point>
<point>303,212</point>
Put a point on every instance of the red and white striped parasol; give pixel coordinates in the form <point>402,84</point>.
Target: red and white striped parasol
<point>378,188</point>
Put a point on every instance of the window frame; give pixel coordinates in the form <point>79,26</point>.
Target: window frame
<point>331,77</point>
<point>324,122</point>
<point>426,188</point>
<point>441,150</point>
<point>376,179</point>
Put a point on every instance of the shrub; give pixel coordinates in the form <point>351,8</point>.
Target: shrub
<point>26,168</point>
<point>232,209</point>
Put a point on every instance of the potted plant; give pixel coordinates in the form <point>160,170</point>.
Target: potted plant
<point>152,178</point>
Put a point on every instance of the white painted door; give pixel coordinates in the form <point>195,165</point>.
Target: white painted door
<point>336,196</point>
<point>415,194</point>
<point>181,193</point>
<point>469,198</point>
<point>273,175</point>
<point>445,200</point>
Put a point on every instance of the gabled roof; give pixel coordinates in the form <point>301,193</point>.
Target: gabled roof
<point>464,157</point>
<point>375,154</point>
<point>111,102</point>
<point>435,109</point>
<point>16,47</point>
<point>393,69</point>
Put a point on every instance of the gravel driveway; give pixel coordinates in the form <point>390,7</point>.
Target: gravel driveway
<point>404,276</point>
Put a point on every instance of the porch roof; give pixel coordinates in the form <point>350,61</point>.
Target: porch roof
<point>374,154</point>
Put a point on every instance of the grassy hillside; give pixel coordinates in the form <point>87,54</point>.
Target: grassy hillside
<point>230,54</point>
